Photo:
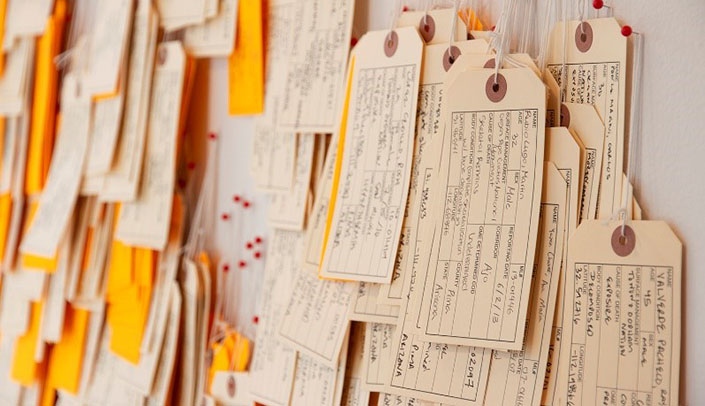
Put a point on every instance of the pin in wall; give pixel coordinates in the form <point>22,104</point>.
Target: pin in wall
<point>237,198</point>
<point>191,165</point>
<point>258,240</point>
<point>627,31</point>
<point>255,319</point>
<point>242,264</point>
<point>226,267</point>
<point>257,255</point>
<point>212,136</point>
<point>246,204</point>
<point>249,245</point>
<point>225,216</point>
<point>353,42</point>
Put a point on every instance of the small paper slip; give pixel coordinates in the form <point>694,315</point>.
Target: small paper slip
<point>584,122</point>
<point>107,46</point>
<point>59,196</point>
<point>486,210</point>
<point>287,210</point>
<point>167,358</point>
<point>122,181</point>
<point>274,361</point>
<point>375,165</point>
<point>354,394</point>
<point>623,318</point>
<point>216,36</point>
<point>315,319</point>
<point>315,73</point>
<point>516,377</point>
<point>365,305</point>
<point>595,58</point>
<point>145,222</point>
<point>563,151</point>
<point>387,399</point>
<point>428,126</point>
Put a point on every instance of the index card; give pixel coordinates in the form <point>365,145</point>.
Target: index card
<point>316,383</point>
<point>379,354</point>
<point>176,14</point>
<point>13,81</point>
<point>375,164</point>
<point>595,65</point>
<point>365,305</point>
<point>623,318</point>
<point>26,18</point>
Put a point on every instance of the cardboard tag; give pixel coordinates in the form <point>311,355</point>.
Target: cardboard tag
<point>315,70</point>
<point>145,222</point>
<point>490,178</point>
<point>375,157</point>
<point>595,57</point>
<point>623,310</point>
<point>216,36</point>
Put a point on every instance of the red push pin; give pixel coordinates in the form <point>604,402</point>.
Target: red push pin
<point>627,31</point>
<point>182,183</point>
<point>226,267</point>
<point>191,165</point>
<point>242,264</point>
<point>212,136</point>
<point>353,42</point>
<point>237,198</point>
<point>255,319</point>
<point>405,8</point>
<point>258,240</point>
<point>249,245</point>
<point>257,255</point>
<point>598,4</point>
<point>245,204</point>
<point>225,216</point>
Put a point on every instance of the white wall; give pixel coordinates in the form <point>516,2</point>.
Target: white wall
<point>670,182</point>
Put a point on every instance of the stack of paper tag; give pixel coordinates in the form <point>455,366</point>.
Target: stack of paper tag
<point>449,219</point>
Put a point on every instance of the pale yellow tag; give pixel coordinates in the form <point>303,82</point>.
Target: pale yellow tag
<point>595,58</point>
<point>486,209</point>
<point>624,315</point>
<point>376,158</point>
<point>508,383</point>
<point>434,27</point>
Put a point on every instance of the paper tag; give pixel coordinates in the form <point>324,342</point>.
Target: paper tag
<point>107,118</point>
<point>287,210</point>
<point>145,222</point>
<point>313,90</point>
<point>316,383</point>
<point>121,183</point>
<point>176,14</point>
<point>216,36</point>
<point>595,56</point>
<point>437,61</point>
<point>61,190</point>
<point>231,388</point>
<point>517,377</point>
<point>623,318</point>
<point>107,46</point>
<point>315,320</point>
<point>16,71</point>
<point>564,152</point>
<point>167,358</point>
<point>434,27</point>
<point>274,361</point>
<point>246,63</point>
<point>27,18</point>
<point>585,123</point>
<point>477,293</point>
<point>377,147</point>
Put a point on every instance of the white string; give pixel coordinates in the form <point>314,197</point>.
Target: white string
<point>564,70</point>
<point>543,46</point>
<point>634,123</point>
<point>396,12</point>
<point>451,36</point>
